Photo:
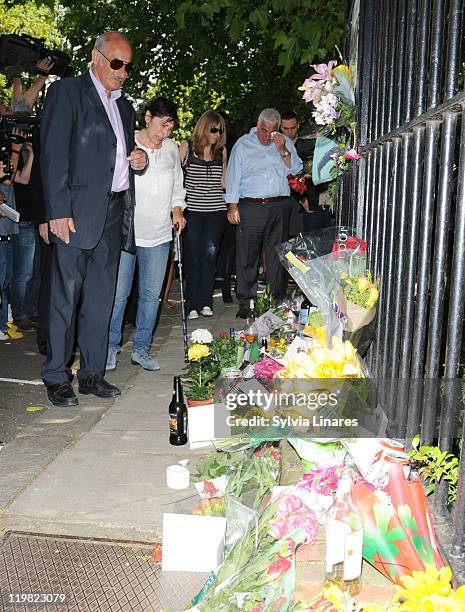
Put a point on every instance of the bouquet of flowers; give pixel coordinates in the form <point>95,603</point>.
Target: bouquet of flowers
<point>228,351</point>
<point>330,89</point>
<point>398,534</point>
<point>356,299</point>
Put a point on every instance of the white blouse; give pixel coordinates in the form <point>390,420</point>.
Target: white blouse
<point>158,190</point>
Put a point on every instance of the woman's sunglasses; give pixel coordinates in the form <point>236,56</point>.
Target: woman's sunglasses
<point>216,130</point>
<point>116,64</point>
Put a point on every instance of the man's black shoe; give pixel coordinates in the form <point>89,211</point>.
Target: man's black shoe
<point>97,385</point>
<point>243,313</point>
<point>62,394</point>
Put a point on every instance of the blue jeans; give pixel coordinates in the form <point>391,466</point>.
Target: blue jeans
<point>152,266</point>
<point>6,262</point>
<point>23,288</point>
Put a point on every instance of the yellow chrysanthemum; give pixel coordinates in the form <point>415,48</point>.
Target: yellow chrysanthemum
<point>417,588</point>
<point>197,351</point>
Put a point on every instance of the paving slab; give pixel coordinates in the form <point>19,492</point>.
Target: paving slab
<point>111,481</point>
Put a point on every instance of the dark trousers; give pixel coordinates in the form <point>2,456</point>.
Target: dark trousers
<point>262,228</point>
<point>201,242</point>
<point>44,291</point>
<point>84,277</point>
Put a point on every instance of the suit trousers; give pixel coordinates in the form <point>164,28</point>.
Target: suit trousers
<point>82,285</point>
<point>262,228</point>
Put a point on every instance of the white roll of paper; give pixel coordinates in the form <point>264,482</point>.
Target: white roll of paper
<point>177,477</point>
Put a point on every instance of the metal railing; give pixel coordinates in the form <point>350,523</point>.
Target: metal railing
<point>406,196</point>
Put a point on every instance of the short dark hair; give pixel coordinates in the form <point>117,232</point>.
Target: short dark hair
<point>160,107</point>
<point>289,114</point>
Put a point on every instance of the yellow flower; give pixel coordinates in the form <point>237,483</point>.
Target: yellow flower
<point>334,594</point>
<point>197,351</point>
<point>417,588</point>
<point>362,283</point>
<point>340,361</point>
<point>373,295</point>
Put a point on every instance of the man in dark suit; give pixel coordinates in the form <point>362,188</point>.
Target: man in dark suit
<point>87,162</point>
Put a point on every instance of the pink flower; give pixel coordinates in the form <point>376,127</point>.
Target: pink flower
<point>279,567</point>
<point>277,529</point>
<point>323,71</point>
<point>258,608</point>
<point>351,154</point>
<point>323,480</point>
<point>289,504</point>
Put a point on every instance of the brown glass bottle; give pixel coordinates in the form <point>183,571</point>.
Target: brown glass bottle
<point>178,415</point>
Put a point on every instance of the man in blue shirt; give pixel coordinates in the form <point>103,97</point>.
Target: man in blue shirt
<point>259,203</point>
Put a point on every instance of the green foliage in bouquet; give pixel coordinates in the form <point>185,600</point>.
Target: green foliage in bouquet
<point>266,301</point>
<point>212,466</point>
<point>315,319</point>
<point>360,290</point>
<point>255,475</point>
<point>436,465</point>
<point>226,350</point>
<point>199,373</point>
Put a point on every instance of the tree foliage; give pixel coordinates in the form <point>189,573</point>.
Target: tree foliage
<point>31,18</point>
<point>238,55</point>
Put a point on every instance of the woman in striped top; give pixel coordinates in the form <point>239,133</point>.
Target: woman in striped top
<point>204,163</point>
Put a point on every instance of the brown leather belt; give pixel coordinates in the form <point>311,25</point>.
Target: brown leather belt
<point>265,200</point>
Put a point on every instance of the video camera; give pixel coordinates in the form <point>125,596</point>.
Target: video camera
<point>21,52</point>
<point>25,123</point>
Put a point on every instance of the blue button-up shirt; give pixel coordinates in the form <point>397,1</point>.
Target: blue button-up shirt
<point>258,171</point>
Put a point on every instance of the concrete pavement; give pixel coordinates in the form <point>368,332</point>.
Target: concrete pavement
<point>102,472</point>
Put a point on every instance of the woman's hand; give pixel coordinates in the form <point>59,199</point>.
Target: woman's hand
<point>179,221</point>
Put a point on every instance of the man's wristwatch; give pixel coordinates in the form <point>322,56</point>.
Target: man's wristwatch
<point>285,154</point>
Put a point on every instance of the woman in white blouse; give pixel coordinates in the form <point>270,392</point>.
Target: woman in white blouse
<point>160,201</point>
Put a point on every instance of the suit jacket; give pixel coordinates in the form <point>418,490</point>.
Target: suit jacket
<point>78,155</point>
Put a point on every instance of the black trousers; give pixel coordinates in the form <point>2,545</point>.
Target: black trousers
<point>262,228</point>
<point>44,291</point>
<point>84,278</point>
<point>201,242</point>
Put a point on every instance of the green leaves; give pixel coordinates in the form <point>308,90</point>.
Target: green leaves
<point>435,465</point>
<point>212,465</point>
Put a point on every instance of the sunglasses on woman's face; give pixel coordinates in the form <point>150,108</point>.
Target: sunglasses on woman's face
<point>116,64</point>
<point>216,130</point>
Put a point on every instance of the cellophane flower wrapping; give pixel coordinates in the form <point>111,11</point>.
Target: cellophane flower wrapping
<point>316,261</point>
<point>398,535</point>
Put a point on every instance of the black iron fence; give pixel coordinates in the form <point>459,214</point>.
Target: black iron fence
<point>406,196</point>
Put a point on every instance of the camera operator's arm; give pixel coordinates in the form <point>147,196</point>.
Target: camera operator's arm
<point>56,135</point>
<point>23,176</point>
<point>31,94</point>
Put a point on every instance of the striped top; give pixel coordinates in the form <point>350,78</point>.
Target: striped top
<point>203,185</point>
